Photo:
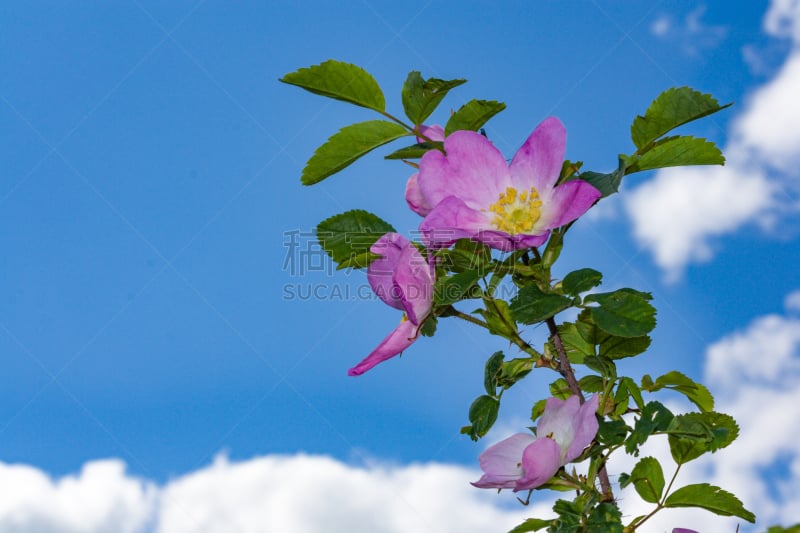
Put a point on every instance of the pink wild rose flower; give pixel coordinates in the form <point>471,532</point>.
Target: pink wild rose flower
<point>523,462</point>
<point>471,192</point>
<point>403,279</point>
<point>416,202</point>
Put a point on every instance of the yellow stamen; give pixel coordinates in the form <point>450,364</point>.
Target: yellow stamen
<point>516,212</point>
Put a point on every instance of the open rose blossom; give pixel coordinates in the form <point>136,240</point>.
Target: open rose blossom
<point>402,279</point>
<point>523,462</point>
<point>472,193</point>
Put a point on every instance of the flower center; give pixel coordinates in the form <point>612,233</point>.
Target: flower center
<point>516,212</point>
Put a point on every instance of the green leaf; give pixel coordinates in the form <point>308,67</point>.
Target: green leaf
<point>482,416</point>
<point>346,146</point>
<point>677,152</point>
<point>648,479</point>
<point>612,432</point>
<point>624,313</point>
<point>349,235</point>
<point>608,183</point>
<point>711,498</point>
<point>531,305</point>
<point>580,281</point>
<point>415,151</point>
<point>695,392</point>
<point>654,417</point>
<point>621,347</point>
<point>672,108</point>
<point>531,524</point>
<point>633,389</point>
<point>514,370</point>
<point>421,96</point>
<point>498,318</point>
<point>342,81</point>
<point>780,529</point>
<point>605,518</point>
<point>451,289</point>
<point>693,434</point>
<point>492,372</point>
<point>560,389</point>
<point>574,344</point>
<point>473,115</point>
<point>465,255</point>
<point>591,383</point>
<point>428,327</point>
<point>538,409</point>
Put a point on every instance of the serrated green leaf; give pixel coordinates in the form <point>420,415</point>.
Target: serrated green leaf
<point>428,328</point>
<point>347,237</point>
<point>451,289</point>
<point>648,479</point>
<point>693,434</point>
<point>604,518</point>
<point>677,152</point>
<point>574,344</point>
<point>531,524</point>
<point>473,115</point>
<point>654,417</point>
<point>491,373</point>
<point>346,146</point>
<point>711,498</point>
<point>531,305</point>
<point>482,416</point>
<point>421,96</point>
<point>623,313</point>
<point>415,151</point>
<point>581,280</point>
<point>695,392</point>
<point>341,81</point>
<point>672,108</point>
<point>622,347</point>
<point>514,370</point>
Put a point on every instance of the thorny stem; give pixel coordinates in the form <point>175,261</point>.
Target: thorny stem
<point>565,369</point>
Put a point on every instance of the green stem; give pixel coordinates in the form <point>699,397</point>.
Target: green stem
<point>659,506</point>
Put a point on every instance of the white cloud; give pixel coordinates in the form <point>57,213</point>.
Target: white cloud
<point>101,499</point>
<point>298,493</point>
<point>679,213</point>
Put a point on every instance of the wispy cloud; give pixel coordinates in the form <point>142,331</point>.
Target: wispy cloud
<point>690,32</point>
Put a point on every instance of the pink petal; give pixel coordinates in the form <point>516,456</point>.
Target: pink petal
<point>683,530</point>
<point>380,272</point>
<point>413,281</point>
<point>567,202</point>
<point>538,162</point>
<point>473,170</point>
<point>499,240</point>
<point>398,340</point>
<point>586,426</point>
<point>434,132</point>
<point>557,420</point>
<point>501,462</point>
<point>416,201</point>
<point>451,220</point>
<point>540,461</point>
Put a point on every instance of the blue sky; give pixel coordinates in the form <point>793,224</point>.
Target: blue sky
<point>149,174</point>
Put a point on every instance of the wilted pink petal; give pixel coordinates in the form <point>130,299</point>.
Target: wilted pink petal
<point>402,278</point>
<point>398,340</point>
